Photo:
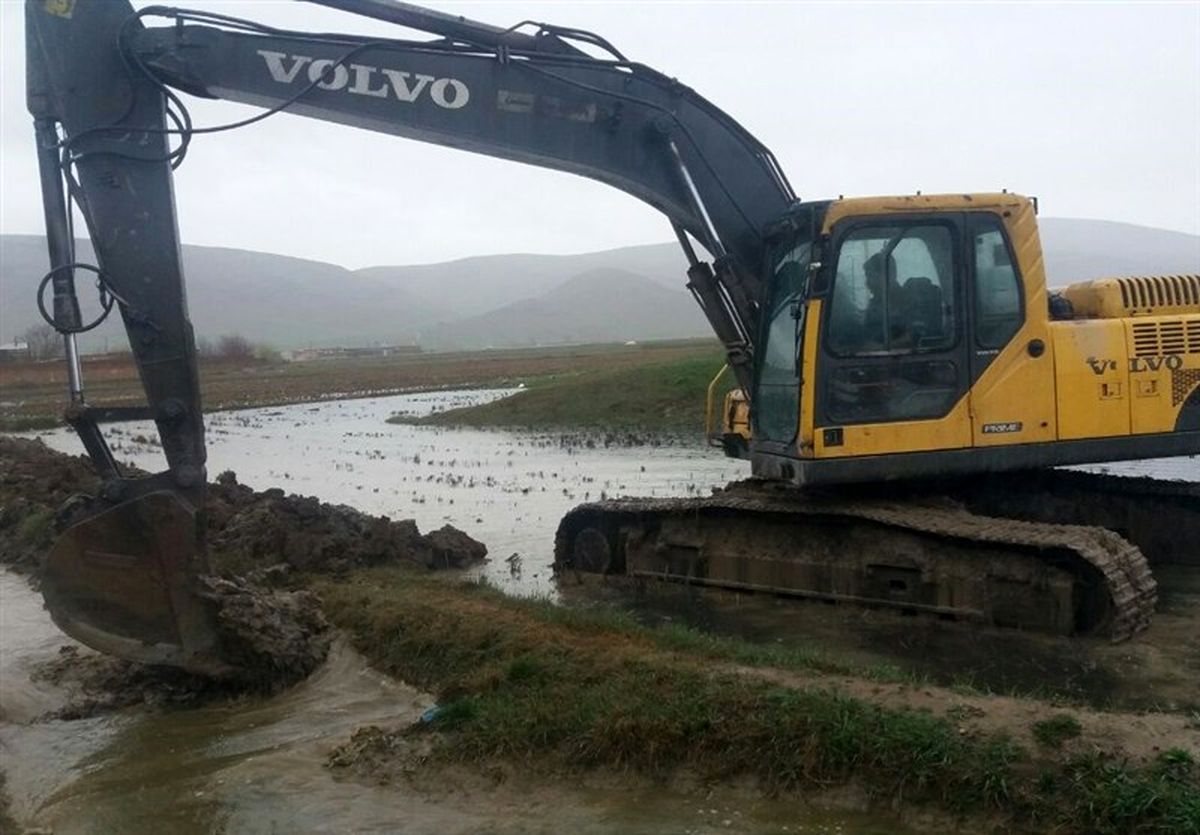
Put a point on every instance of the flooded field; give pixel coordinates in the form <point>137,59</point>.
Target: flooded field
<point>505,489</point>
<point>258,765</point>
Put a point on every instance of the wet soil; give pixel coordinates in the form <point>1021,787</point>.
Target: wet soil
<point>96,684</point>
<point>269,532</point>
<point>508,797</point>
<point>271,637</point>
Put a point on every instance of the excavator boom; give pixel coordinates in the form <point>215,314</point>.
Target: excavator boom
<point>110,129</point>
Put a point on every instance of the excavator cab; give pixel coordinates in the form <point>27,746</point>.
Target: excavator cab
<point>911,337</point>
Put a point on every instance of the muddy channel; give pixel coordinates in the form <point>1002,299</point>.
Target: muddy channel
<point>258,764</point>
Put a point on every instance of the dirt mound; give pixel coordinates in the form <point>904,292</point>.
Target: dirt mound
<point>247,530</point>
<point>274,638</point>
<point>256,540</point>
<point>256,529</point>
<point>35,482</point>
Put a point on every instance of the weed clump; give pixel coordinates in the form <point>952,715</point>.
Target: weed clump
<point>1108,797</point>
<point>1056,730</point>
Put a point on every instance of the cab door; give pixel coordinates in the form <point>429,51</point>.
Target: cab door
<point>894,368</point>
<point>1012,363</point>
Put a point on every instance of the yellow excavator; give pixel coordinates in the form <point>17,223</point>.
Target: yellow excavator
<point>906,382</point>
<point>911,354</point>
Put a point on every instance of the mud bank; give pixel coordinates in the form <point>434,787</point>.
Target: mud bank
<point>269,532</point>
<point>567,691</point>
<point>258,540</point>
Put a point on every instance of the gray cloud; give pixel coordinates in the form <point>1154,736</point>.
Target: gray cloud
<point>1094,108</point>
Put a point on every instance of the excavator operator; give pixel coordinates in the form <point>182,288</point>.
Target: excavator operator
<point>886,304</point>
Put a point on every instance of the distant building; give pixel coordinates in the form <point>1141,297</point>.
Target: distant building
<point>311,354</point>
<point>14,351</point>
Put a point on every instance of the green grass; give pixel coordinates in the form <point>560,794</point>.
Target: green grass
<point>1056,730</point>
<point>28,423</point>
<point>36,528</point>
<point>1114,799</point>
<point>659,396</point>
<point>558,688</point>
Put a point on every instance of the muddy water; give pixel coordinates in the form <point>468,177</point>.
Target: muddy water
<point>257,765</point>
<point>506,489</point>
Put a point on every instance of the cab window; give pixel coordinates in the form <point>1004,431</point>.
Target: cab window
<point>893,291</point>
<point>777,400</point>
<point>997,289</point>
<point>893,351</point>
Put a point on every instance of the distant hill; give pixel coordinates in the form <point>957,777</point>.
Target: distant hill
<point>476,285</point>
<point>503,300</point>
<point>287,302</point>
<point>600,305</point>
<point>1077,250</point>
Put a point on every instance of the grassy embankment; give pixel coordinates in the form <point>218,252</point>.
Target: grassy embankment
<point>664,394</point>
<point>547,688</point>
<point>32,395</point>
<point>557,688</point>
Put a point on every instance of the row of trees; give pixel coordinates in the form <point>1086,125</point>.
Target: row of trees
<point>45,343</point>
<point>234,346</point>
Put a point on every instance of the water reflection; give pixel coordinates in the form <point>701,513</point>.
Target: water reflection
<point>507,489</point>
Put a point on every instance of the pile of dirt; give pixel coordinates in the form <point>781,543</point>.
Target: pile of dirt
<point>35,482</point>
<point>249,528</point>
<point>272,638</point>
<point>256,540</point>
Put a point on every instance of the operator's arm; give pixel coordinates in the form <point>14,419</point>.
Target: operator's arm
<point>110,127</point>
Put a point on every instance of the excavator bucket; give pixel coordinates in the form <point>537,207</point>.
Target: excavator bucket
<point>125,581</point>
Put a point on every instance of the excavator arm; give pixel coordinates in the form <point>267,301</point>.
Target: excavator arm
<point>110,127</point>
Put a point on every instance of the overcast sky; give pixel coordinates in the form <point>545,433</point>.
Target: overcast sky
<point>1094,108</point>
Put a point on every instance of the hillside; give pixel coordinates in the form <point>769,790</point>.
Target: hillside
<point>503,300</point>
<point>601,305</point>
<point>470,286</point>
<point>287,302</point>
<point>1078,249</point>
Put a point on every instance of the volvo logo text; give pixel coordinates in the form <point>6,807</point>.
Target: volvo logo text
<point>364,80</point>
